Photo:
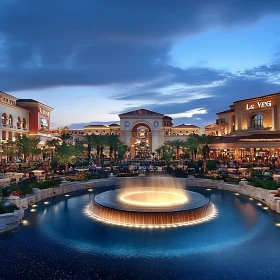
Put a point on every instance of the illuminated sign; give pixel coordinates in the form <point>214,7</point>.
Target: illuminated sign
<point>258,105</point>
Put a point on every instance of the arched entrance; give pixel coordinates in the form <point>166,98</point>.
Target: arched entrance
<point>141,141</point>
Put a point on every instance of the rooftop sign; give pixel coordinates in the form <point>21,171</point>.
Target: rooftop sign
<point>258,105</point>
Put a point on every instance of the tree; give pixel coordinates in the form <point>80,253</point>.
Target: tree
<point>177,144</point>
<point>64,136</point>
<point>204,141</point>
<point>53,145</point>
<point>122,149</point>
<point>192,144</point>
<point>27,145</point>
<point>9,148</point>
<point>89,141</point>
<point>98,143</point>
<point>68,153</point>
<point>165,151</point>
<point>113,142</point>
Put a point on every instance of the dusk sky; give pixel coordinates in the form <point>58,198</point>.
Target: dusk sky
<point>93,59</point>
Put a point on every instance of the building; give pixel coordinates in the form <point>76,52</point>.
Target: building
<point>24,117</point>
<point>250,130</point>
<point>14,119</point>
<point>142,130</point>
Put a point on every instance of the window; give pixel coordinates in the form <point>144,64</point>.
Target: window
<point>257,121</point>
<point>10,120</point>
<point>4,119</point>
<point>18,122</point>
<point>24,124</point>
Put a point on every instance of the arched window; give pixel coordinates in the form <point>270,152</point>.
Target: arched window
<point>10,120</point>
<point>24,124</point>
<point>18,122</point>
<point>257,121</point>
<point>4,119</point>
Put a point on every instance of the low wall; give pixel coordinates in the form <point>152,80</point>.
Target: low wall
<point>265,196</point>
<point>10,221</point>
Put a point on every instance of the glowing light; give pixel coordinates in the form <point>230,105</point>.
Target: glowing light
<point>33,210</point>
<point>46,202</point>
<point>154,198</point>
<point>208,189</point>
<point>151,204</point>
<point>265,208</point>
<point>212,215</point>
<point>25,223</point>
<point>67,195</point>
<point>34,205</point>
<point>237,193</point>
<point>90,190</point>
<point>277,224</point>
<point>259,204</point>
<point>251,198</point>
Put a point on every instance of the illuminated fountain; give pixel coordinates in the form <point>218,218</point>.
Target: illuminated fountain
<point>156,202</point>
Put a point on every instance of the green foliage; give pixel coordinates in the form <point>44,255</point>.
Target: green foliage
<point>7,208</point>
<point>166,152</point>
<point>27,145</point>
<point>192,165</point>
<point>64,136</point>
<point>121,150</point>
<point>212,164</point>
<point>55,182</point>
<point>9,148</point>
<point>68,153</point>
<point>192,145</point>
<point>13,188</point>
<point>264,184</point>
<point>176,144</point>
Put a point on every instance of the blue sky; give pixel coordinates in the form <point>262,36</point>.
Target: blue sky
<point>90,62</point>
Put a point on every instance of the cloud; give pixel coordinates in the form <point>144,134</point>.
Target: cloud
<point>126,45</point>
<point>189,114</point>
<point>64,43</point>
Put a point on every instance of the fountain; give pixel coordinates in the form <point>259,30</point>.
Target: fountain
<point>156,202</point>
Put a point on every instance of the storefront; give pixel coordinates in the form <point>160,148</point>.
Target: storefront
<point>249,131</point>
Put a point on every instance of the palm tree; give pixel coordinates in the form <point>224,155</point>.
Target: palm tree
<point>192,144</point>
<point>165,152</point>
<point>204,141</point>
<point>113,142</point>
<point>53,144</point>
<point>177,144</point>
<point>89,141</point>
<point>98,143</point>
<point>64,136</point>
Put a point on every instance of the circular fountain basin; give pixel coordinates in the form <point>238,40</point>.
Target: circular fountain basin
<point>114,208</point>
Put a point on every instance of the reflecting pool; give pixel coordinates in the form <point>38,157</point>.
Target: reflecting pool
<point>58,240</point>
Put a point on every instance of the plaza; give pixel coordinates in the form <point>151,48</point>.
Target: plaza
<point>128,183</point>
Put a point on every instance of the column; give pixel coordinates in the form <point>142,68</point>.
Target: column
<point>157,139</point>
